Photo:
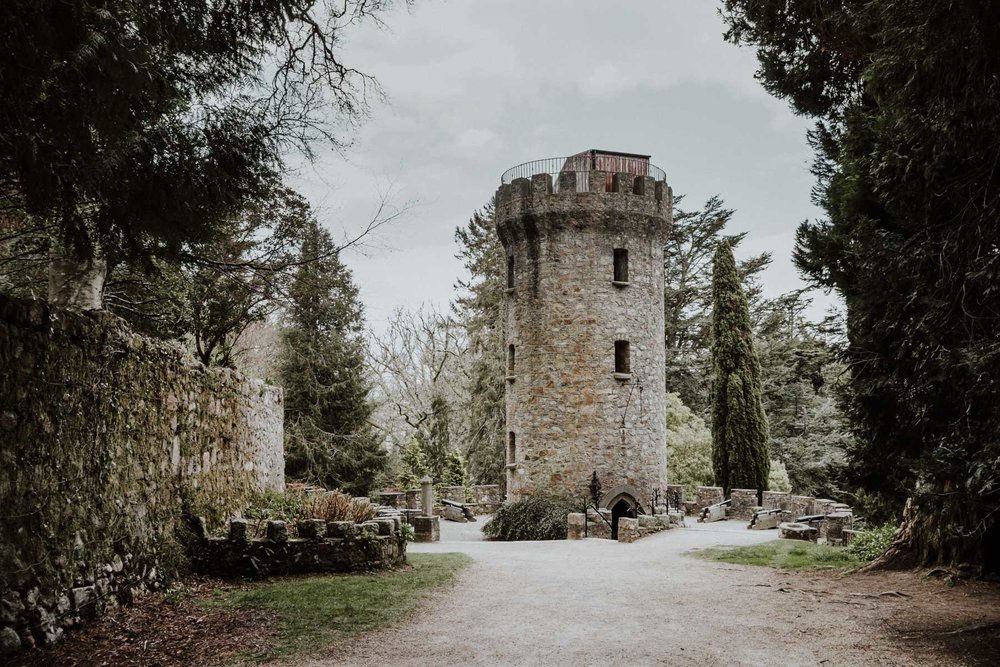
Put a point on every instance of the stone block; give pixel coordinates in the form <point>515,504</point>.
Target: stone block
<point>311,529</point>
<point>676,518</point>
<point>427,528</point>
<point>801,506</point>
<point>798,531</point>
<point>576,526</point>
<point>238,530</point>
<point>744,502</point>
<point>834,526</point>
<point>628,529</point>
<point>647,521</point>
<point>664,522</point>
<point>774,500</point>
<point>341,529</point>
<point>452,513</point>
<point>370,528</point>
<point>386,526</point>
<point>277,531</point>
<point>709,495</point>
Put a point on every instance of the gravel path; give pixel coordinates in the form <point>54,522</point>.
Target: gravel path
<point>597,602</point>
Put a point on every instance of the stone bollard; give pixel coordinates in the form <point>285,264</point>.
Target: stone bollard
<point>576,526</point>
<point>238,530</point>
<point>311,529</point>
<point>277,531</point>
<point>427,528</point>
<point>427,496</point>
<point>798,531</point>
<point>628,529</point>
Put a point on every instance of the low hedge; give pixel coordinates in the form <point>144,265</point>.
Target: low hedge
<point>535,518</point>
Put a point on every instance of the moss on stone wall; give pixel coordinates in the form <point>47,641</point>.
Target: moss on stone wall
<point>108,440</point>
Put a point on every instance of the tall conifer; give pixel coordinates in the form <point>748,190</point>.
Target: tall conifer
<point>740,452</point>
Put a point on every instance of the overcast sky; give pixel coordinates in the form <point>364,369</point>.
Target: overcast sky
<point>477,86</point>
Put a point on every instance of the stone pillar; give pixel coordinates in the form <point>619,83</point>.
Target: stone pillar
<point>427,496</point>
<point>774,500</point>
<point>709,495</point>
<point>427,528</point>
<point>628,529</point>
<point>576,526</point>
<point>834,526</point>
<point>744,502</point>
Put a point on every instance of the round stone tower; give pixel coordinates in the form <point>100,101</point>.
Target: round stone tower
<point>586,388</point>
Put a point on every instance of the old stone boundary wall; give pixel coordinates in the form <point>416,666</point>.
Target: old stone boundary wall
<point>108,440</point>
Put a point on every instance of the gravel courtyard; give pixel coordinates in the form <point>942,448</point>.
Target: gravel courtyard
<point>597,602</point>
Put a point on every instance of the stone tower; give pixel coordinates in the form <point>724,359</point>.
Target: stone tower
<point>585,351</point>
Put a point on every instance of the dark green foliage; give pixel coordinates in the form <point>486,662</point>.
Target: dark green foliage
<point>480,311</point>
<point>412,466</point>
<point>688,295</point>
<point>872,543</point>
<point>800,377</point>
<point>535,518</point>
<point>328,434</point>
<point>134,127</point>
<point>454,470</point>
<point>907,102</point>
<point>740,455</point>
<point>436,443</point>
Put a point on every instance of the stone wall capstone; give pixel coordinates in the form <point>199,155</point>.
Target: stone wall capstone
<point>109,440</point>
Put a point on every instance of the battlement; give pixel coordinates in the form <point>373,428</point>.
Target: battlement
<point>592,189</point>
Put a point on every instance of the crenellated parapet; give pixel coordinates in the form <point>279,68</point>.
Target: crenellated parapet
<point>594,191</point>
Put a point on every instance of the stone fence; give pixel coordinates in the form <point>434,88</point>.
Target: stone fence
<point>321,546</point>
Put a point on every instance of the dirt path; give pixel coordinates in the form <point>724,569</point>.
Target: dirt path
<point>597,602</point>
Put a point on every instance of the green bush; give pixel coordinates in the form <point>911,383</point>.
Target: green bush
<point>777,479</point>
<point>689,447</point>
<point>871,544</point>
<point>535,518</point>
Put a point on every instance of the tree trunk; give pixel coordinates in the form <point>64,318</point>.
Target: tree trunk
<point>74,283</point>
<point>936,530</point>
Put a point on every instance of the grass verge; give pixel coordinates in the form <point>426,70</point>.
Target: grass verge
<point>314,612</point>
<point>785,555</point>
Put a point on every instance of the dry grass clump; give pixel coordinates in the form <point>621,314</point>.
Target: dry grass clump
<point>337,506</point>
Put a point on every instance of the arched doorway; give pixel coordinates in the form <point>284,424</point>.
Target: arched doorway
<point>621,508</point>
<point>622,501</point>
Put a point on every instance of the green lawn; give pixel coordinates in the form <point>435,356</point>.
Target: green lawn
<point>785,555</point>
<point>314,612</point>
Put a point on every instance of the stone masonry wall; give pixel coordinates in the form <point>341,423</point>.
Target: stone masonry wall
<point>108,440</point>
<point>564,403</point>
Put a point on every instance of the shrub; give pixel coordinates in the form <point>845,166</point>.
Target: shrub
<point>689,447</point>
<point>337,506</point>
<point>535,518</point>
<point>777,478</point>
<point>871,544</point>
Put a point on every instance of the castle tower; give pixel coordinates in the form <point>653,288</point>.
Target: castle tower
<point>585,357</point>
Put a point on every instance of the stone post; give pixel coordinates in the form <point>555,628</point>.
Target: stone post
<point>427,496</point>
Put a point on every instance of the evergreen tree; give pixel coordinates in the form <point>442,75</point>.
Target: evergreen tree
<point>687,295</point>
<point>437,441</point>
<point>412,466</point>
<point>328,435</point>
<point>480,310</point>
<point>454,470</point>
<point>908,130</point>
<point>740,455</point>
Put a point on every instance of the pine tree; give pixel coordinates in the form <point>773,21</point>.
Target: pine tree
<point>740,453</point>
<point>437,442</point>
<point>412,466</point>
<point>480,311</point>
<point>328,435</point>
<point>454,470</point>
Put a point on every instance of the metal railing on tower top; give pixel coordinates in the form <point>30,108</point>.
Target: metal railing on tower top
<point>583,163</point>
